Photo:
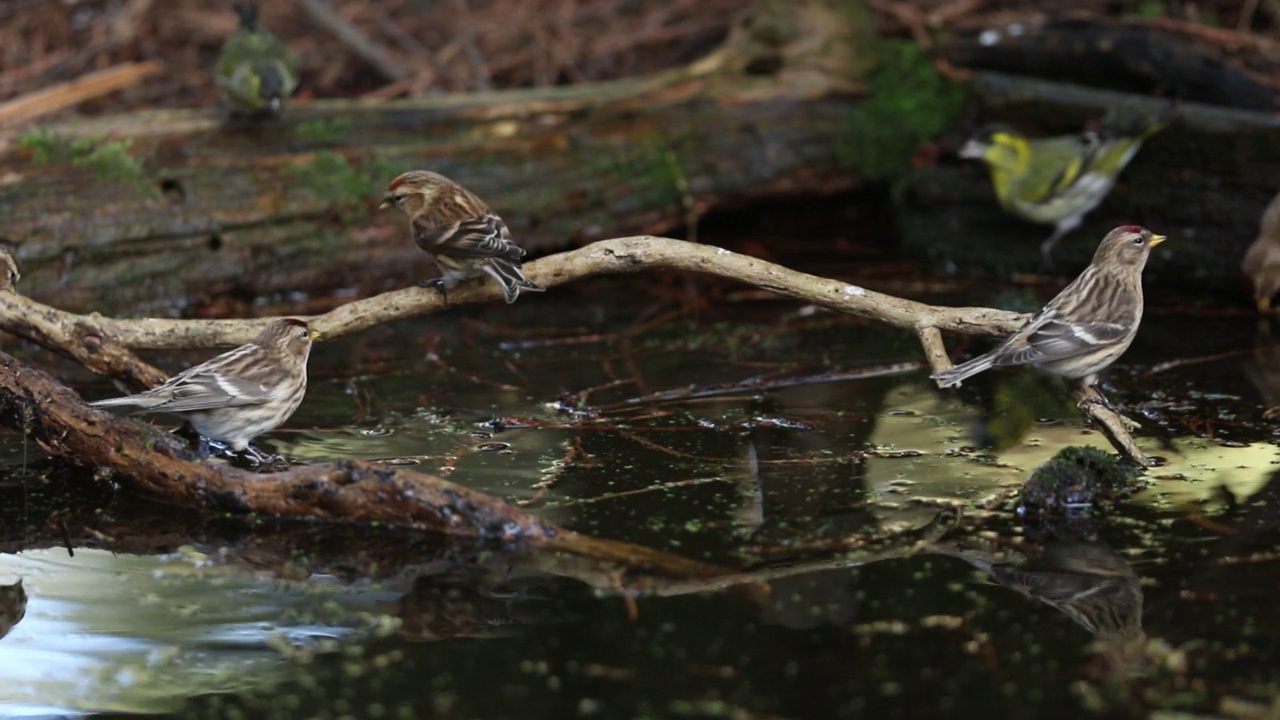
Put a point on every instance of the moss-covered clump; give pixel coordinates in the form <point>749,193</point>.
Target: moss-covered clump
<point>1077,482</point>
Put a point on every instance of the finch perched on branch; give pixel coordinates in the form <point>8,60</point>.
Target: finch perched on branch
<point>255,71</point>
<point>239,394</point>
<point>466,238</point>
<point>1088,325</point>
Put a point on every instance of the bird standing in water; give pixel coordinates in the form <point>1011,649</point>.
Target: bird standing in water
<point>240,394</point>
<point>1262,260</point>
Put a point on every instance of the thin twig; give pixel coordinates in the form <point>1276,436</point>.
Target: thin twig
<point>72,92</point>
<point>629,254</point>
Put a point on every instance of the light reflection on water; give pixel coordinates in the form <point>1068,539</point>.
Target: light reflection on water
<point>129,633</point>
<point>702,478</point>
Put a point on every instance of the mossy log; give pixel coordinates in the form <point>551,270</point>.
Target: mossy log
<point>157,211</point>
<point>1203,181</point>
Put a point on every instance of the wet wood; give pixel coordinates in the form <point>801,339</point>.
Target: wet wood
<point>160,466</point>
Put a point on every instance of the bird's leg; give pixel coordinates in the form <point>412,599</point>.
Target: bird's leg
<point>439,284</point>
<point>255,457</point>
<point>1046,248</point>
<point>260,459</point>
<point>1097,399</point>
<point>1060,230</point>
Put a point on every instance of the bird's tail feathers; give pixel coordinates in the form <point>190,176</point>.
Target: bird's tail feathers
<point>963,371</point>
<point>134,403</point>
<point>1138,122</point>
<point>510,277</point>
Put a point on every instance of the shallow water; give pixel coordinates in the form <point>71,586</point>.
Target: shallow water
<point>536,404</point>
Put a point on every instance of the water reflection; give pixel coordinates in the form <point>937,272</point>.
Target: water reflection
<point>13,606</point>
<point>1087,581</point>
<point>142,634</point>
<point>783,488</point>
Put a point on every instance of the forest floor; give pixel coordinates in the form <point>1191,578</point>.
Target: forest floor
<point>397,48</point>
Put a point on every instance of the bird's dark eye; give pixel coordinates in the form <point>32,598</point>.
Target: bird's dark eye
<point>1138,240</point>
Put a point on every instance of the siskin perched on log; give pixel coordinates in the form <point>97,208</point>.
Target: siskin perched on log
<point>466,238</point>
<point>255,71</point>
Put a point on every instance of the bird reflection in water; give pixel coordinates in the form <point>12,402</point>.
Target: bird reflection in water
<point>13,606</point>
<point>1087,581</point>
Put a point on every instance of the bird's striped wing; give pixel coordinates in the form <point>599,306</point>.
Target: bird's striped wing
<point>1056,339</point>
<point>233,379</point>
<point>208,391</point>
<point>484,236</point>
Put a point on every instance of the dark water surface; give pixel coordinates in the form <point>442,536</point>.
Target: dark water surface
<point>1170,604</point>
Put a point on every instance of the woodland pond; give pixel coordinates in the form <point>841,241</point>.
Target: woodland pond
<point>806,427</point>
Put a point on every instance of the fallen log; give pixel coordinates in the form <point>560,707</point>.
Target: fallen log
<point>157,212</point>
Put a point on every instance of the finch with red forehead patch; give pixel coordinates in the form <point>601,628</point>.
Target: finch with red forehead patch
<point>239,394</point>
<point>1088,325</point>
<point>466,238</point>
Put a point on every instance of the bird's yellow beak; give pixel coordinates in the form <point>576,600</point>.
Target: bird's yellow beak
<point>1264,304</point>
<point>386,202</point>
<point>1156,240</point>
<point>315,334</point>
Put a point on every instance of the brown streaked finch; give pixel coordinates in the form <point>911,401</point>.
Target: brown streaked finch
<point>1262,260</point>
<point>1088,325</point>
<point>238,395</point>
<point>465,237</point>
<point>9,274</point>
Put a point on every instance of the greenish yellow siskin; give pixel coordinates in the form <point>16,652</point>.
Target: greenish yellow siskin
<point>255,71</point>
<point>1057,180</point>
